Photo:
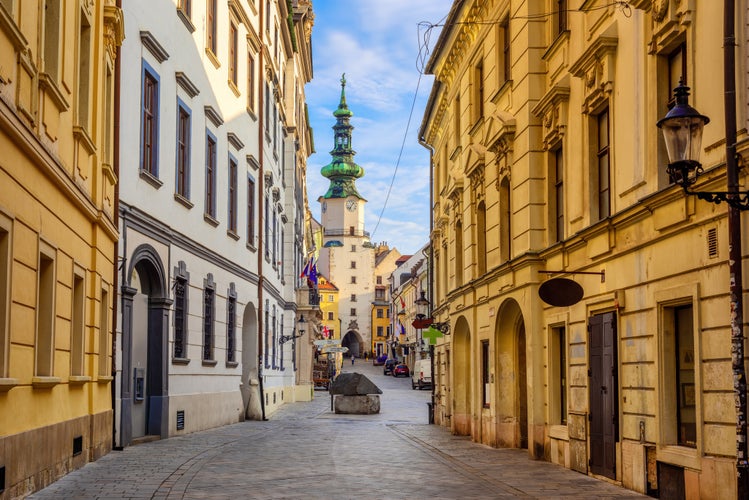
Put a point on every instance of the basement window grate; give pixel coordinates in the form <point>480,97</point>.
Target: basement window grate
<point>77,445</point>
<point>181,420</point>
<point>712,242</point>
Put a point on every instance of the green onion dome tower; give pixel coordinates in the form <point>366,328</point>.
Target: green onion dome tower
<point>342,171</point>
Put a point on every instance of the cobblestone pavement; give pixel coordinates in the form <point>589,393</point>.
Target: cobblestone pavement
<point>305,451</point>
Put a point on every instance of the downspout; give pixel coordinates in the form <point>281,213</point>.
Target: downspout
<point>734,250</point>
<point>430,267</point>
<point>115,281</point>
<point>261,198</point>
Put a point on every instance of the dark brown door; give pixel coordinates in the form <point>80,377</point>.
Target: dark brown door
<point>604,394</point>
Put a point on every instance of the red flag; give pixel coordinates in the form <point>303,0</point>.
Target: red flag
<point>403,303</point>
<point>306,268</point>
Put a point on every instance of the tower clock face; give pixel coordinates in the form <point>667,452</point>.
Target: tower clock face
<point>351,205</point>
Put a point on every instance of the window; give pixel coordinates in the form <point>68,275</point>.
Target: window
<point>5,256</point>
<point>274,339</point>
<point>353,248</point>
<point>210,28</point>
<point>52,43</point>
<point>180,316</point>
<point>353,311</point>
<point>603,175</point>
<point>104,367</point>
<point>45,319</point>
<point>560,18</point>
<point>331,298</point>
<point>330,316</point>
<point>77,337</point>
<point>251,211</point>
<point>379,313</point>
<point>183,150</point>
<point>456,119</point>
<point>380,331</point>
<point>353,264</point>
<point>231,327</point>
<point>353,279</point>
<point>506,65</point>
<point>379,280</point>
<point>459,254</point>
<point>353,297</point>
<point>485,380</point>
<point>677,71</point>
<point>481,238</point>
<point>558,364</point>
<point>233,49</point>
<point>351,231</point>
<point>505,221</point>
<point>149,121</point>
<point>478,90</point>
<point>266,346</point>
<point>232,222</point>
<point>557,195</point>
<point>185,6</point>
<point>210,175</point>
<point>679,376</point>
<point>209,307</point>
<point>250,82</point>
<point>84,72</point>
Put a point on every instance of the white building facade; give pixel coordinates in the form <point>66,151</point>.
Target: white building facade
<point>213,146</point>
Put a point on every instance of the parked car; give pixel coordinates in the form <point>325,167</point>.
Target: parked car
<point>421,376</point>
<point>390,363</point>
<point>401,370</point>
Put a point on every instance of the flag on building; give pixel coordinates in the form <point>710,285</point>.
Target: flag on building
<point>402,328</point>
<point>403,302</point>
<point>312,276</point>
<point>325,332</point>
<point>305,270</point>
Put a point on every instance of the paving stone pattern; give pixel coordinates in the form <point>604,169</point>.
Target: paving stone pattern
<point>305,451</point>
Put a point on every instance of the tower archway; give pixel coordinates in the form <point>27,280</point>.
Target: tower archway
<point>354,342</point>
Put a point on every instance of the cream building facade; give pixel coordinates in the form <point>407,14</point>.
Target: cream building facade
<point>546,157</point>
<point>57,237</point>
<point>213,211</point>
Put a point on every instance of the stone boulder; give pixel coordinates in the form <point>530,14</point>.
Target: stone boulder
<point>353,384</point>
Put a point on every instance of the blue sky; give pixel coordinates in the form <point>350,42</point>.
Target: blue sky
<point>376,44</point>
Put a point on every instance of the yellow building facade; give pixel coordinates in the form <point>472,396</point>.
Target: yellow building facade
<point>546,158</point>
<point>57,237</point>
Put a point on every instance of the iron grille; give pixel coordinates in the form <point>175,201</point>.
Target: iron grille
<point>179,317</point>
<point>231,330</point>
<point>180,420</point>
<point>208,324</point>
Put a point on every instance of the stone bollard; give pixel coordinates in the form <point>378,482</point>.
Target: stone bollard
<point>354,393</point>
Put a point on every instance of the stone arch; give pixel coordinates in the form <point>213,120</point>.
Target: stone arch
<point>462,365</point>
<point>354,342</point>
<point>145,339</point>
<point>511,389</point>
<point>250,386</point>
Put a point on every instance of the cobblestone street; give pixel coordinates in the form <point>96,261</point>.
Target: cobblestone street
<point>306,451</point>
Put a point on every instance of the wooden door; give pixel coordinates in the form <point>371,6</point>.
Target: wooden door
<point>604,394</point>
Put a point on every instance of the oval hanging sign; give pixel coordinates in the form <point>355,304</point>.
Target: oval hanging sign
<point>560,292</point>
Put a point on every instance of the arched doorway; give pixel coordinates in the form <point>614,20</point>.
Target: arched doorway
<point>512,381</point>
<point>145,336</point>
<point>353,341</point>
<point>462,396</point>
<point>250,387</point>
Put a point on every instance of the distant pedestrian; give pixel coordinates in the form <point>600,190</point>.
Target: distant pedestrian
<point>352,359</point>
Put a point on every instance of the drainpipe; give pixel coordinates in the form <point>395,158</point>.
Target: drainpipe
<point>115,281</point>
<point>261,199</point>
<point>734,250</point>
<point>430,268</point>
